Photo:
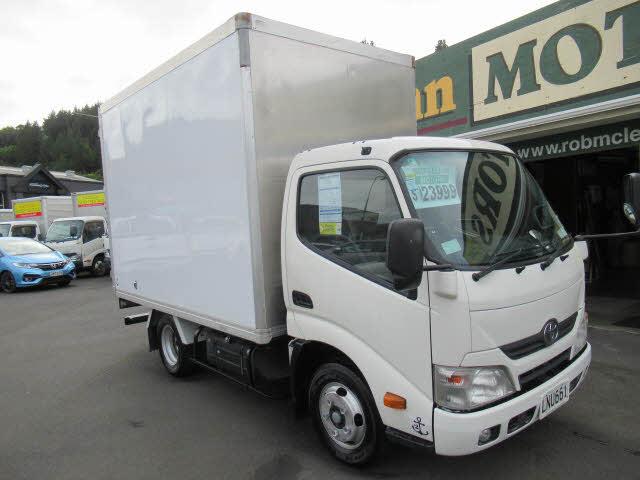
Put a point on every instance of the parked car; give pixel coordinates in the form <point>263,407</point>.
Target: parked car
<point>27,263</point>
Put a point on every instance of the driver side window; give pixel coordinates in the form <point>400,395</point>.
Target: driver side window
<point>345,216</point>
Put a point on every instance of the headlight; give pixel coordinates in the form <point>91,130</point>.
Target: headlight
<point>467,388</point>
<point>581,334</point>
<point>26,265</point>
<point>73,257</point>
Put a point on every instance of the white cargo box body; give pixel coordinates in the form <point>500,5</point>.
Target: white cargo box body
<point>89,204</point>
<point>196,156</point>
<point>43,210</point>
<point>6,214</point>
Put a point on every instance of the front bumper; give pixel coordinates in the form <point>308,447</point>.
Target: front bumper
<point>457,433</point>
<point>31,277</point>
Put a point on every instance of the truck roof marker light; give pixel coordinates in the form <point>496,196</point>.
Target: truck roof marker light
<point>394,401</point>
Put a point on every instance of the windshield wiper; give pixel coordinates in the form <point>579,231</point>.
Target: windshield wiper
<point>553,255</point>
<point>478,275</point>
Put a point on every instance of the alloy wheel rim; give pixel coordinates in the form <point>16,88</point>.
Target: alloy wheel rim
<point>169,345</point>
<point>342,415</point>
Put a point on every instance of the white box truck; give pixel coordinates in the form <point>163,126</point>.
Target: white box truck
<point>81,235</point>
<point>42,210</point>
<point>420,289</point>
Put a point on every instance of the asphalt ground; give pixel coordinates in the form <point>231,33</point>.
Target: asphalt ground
<point>82,398</point>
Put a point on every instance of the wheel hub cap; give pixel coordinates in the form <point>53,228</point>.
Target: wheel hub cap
<point>342,415</point>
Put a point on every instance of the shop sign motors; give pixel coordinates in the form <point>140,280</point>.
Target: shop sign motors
<point>571,53</point>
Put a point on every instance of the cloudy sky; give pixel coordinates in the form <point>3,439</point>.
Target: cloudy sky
<point>65,53</point>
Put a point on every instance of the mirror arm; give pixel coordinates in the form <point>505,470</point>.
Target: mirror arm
<point>579,238</point>
<point>438,267</point>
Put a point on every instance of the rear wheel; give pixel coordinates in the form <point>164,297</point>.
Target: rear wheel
<point>173,353</point>
<point>344,414</point>
<point>99,267</point>
<point>7,282</point>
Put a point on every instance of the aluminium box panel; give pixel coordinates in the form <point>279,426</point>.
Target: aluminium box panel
<point>6,214</point>
<point>176,176</point>
<point>311,90</point>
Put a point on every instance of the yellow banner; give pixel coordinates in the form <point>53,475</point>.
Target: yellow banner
<point>90,199</point>
<point>27,209</point>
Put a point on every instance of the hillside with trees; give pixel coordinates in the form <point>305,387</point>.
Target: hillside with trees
<point>66,140</point>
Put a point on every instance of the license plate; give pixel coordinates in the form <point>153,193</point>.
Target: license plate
<point>553,399</point>
<point>55,274</point>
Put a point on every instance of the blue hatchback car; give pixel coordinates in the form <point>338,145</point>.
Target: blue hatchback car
<point>27,263</point>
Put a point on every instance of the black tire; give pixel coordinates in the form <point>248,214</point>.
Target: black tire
<point>64,283</point>
<point>175,356</point>
<point>7,282</point>
<point>365,443</point>
<point>99,267</point>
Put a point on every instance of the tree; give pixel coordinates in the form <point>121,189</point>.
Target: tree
<point>28,144</point>
<point>67,140</point>
<point>441,45</point>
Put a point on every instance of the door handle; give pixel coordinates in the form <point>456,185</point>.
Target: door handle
<point>301,299</point>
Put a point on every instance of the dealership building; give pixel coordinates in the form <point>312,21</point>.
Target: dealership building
<point>561,87</point>
<point>36,180</point>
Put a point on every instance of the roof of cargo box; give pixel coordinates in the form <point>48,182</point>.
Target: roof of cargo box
<point>387,148</point>
<point>250,21</point>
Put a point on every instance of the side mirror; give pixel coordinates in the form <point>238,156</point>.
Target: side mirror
<point>405,252</point>
<point>631,206</point>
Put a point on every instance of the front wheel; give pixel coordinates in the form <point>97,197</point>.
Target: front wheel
<point>64,283</point>
<point>173,353</point>
<point>7,282</point>
<point>344,414</point>
<point>99,267</point>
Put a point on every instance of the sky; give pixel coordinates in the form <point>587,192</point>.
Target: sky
<point>64,53</point>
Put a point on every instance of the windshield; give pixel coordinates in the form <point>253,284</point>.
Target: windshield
<point>4,229</point>
<point>24,247</point>
<point>64,230</point>
<point>478,207</point>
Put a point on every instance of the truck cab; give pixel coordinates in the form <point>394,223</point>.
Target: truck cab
<point>462,343</point>
<point>20,228</point>
<point>81,239</point>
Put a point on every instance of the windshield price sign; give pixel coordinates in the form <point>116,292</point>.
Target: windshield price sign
<point>431,184</point>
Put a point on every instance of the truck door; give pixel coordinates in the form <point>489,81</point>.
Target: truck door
<point>339,291</point>
<point>92,241</point>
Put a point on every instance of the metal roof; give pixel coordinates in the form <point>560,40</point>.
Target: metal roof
<point>25,170</point>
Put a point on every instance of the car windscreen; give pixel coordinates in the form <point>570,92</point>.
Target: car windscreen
<point>64,230</point>
<point>4,229</point>
<point>23,247</point>
<point>479,206</point>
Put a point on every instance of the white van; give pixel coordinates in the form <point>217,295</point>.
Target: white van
<point>81,239</point>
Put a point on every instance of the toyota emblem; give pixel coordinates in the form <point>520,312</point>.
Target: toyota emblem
<point>550,332</point>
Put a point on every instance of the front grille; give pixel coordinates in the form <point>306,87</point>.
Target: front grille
<point>537,376</point>
<point>532,344</point>
<point>51,266</point>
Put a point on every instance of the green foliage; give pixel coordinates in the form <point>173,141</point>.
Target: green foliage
<point>67,140</point>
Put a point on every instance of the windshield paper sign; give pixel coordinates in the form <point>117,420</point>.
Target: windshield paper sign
<point>431,183</point>
<point>330,204</point>
<point>90,199</point>
<point>27,209</point>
